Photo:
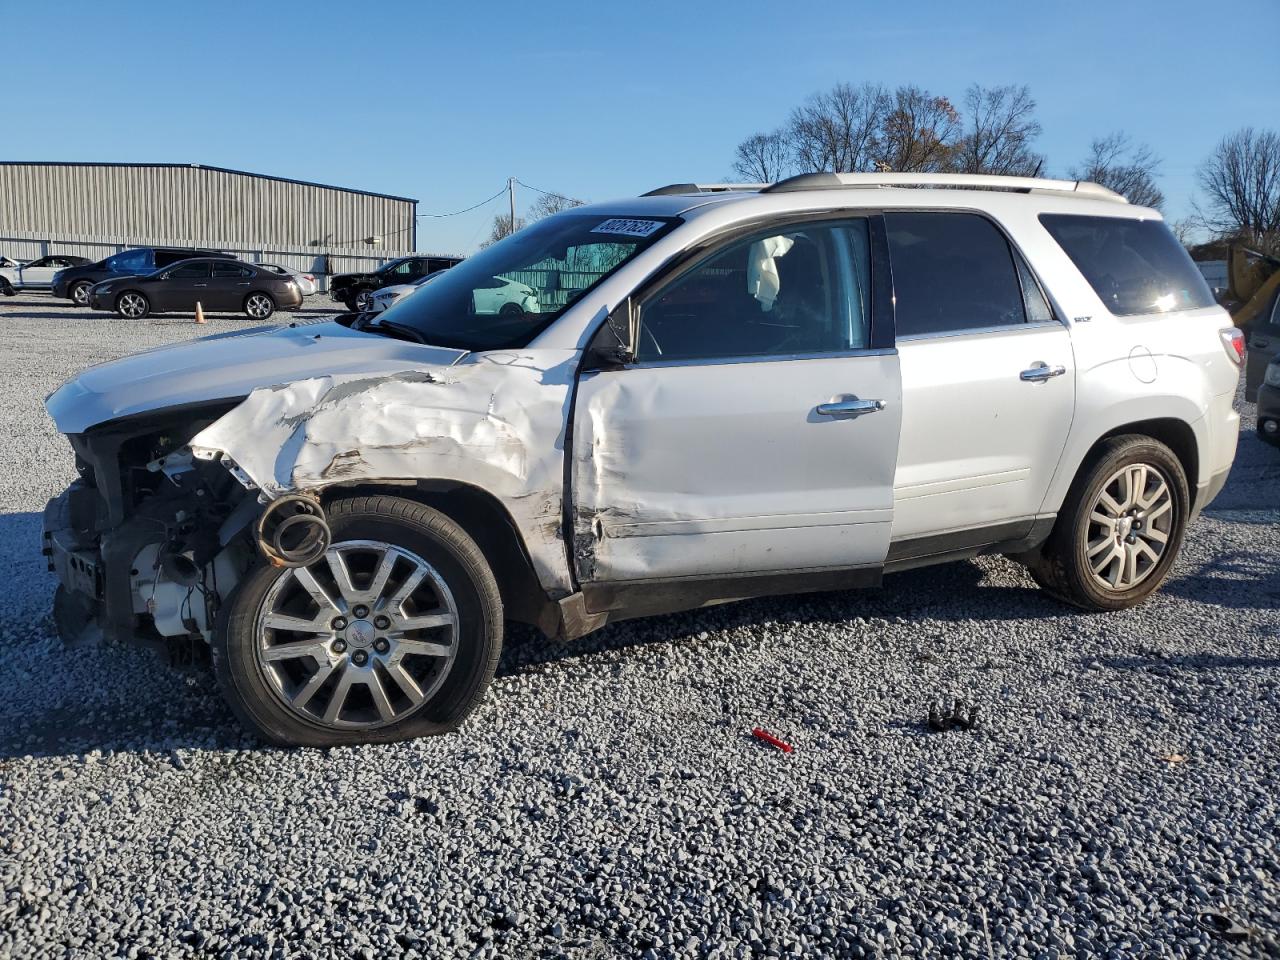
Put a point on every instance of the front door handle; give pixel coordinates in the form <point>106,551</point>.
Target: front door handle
<point>849,407</point>
<point>1041,371</point>
<point>200,284</point>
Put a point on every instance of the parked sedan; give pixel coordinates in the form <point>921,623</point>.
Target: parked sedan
<point>217,285</point>
<point>35,275</point>
<point>306,282</point>
<point>506,297</point>
<point>389,296</point>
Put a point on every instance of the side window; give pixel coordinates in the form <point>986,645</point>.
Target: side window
<point>131,261</point>
<point>190,271</point>
<point>952,272</point>
<point>166,258</point>
<point>404,269</point>
<point>229,268</point>
<point>797,289</point>
<point>1134,266</point>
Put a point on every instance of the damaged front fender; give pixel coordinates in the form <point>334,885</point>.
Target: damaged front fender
<point>495,421</point>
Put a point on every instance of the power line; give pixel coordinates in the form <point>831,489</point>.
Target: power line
<point>436,216</point>
<point>549,193</point>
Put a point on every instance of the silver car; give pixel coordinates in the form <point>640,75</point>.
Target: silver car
<point>708,393</point>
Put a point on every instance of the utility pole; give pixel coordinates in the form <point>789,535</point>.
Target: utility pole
<point>511,195</point>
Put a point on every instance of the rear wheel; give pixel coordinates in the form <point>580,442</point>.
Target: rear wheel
<point>1120,529</point>
<point>80,293</point>
<point>394,633</point>
<point>132,305</point>
<point>259,306</point>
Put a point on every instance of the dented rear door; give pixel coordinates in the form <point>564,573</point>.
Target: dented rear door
<point>757,429</point>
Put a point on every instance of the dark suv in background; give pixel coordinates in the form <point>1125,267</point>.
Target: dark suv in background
<point>74,283</point>
<point>355,289</point>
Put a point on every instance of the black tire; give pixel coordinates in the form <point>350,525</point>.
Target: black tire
<point>132,305</point>
<point>6,288</point>
<point>349,298</point>
<point>511,310</point>
<point>429,534</point>
<point>1269,438</point>
<point>263,312</point>
<point>1062,567</point>
<point>362,302</point>
<point>80,293</point>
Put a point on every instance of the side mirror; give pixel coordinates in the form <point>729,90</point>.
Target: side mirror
<point>611,347</point>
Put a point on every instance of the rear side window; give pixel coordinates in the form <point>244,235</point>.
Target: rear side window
<point>230,268</point>
<point>952,272</point>
<point>1134,266</point>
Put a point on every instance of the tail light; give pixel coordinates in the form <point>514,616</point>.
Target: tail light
<point>309,278</point>
<point>1233,343</point>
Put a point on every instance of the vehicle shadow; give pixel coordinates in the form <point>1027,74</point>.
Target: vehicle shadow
<point>1192,661</point>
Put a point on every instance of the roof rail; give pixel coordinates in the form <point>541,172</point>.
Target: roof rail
<point>968,181</point>
<point>679,189</point>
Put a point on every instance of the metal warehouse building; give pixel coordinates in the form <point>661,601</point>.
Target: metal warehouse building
<point>96,209</point>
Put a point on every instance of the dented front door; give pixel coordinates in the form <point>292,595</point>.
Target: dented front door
<point>695,461</point>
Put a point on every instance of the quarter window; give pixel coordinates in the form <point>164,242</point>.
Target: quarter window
<point>953,272</point>
<point>800,289</point>
<point>1134,266</point>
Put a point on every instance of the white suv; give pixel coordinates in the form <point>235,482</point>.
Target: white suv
<point>721,392</point>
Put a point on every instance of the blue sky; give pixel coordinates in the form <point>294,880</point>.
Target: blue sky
<point>443,102</point>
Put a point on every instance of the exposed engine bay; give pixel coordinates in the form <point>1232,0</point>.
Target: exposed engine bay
<point>149,541</point>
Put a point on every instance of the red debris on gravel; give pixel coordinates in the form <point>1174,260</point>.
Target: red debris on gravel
<point>761,734</point>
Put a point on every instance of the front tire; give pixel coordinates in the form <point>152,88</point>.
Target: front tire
<point>1120,529</point>
<point>132,305</point>
<point>6,289</point>
<point>259,306</point>
<point>363,301</point>
<point>395,633</point>
<point>80,293</point>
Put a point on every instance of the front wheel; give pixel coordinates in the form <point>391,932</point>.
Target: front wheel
<point>259,306</point>
<point>132,305</point>
<point>363,301</point>
<point>6,288</point>
<point>394,633</point>
<point>80,293</point>
<point>1120,529</point>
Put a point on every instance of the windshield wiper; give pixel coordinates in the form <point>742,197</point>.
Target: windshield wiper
<point>406,332</point>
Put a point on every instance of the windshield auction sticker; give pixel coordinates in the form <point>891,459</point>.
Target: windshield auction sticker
<point>621,226</point>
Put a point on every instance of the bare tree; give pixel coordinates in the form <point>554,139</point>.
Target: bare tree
<point>1242,182</point>
<point>999,130</point>
<point>502,228</point>
<point>763,157</point>
<point>836,131</point>
<point>1127,168</point>
<point>918,134</point>
<point>551,203</point>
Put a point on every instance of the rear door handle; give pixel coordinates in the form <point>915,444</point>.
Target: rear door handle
<point>1041,371</point>
<point>851,407</point>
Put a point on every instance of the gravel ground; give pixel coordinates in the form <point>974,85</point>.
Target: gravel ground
<point>608,799</point>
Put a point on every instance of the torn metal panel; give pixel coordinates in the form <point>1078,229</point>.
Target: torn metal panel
<point>495,421</point>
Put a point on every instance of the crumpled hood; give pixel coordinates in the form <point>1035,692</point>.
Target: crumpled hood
<point>226,366</point>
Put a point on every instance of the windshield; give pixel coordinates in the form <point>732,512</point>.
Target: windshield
<point>506,295</point>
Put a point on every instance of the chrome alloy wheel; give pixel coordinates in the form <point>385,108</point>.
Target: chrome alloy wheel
<point>364,301</point>
<point>258,306</point>
<point>132,305</point>
<point>1130,526</point>
<point>80,294</point>
<point>361,638</point>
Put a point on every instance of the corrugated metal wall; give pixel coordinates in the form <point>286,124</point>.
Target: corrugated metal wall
<point>199,206</point>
